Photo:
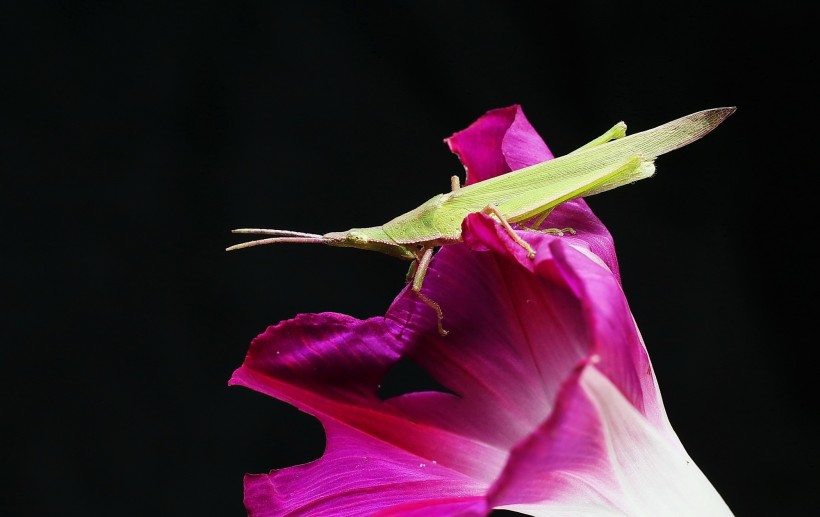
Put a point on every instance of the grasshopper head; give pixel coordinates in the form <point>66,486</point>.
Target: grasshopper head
<point>373,238</point>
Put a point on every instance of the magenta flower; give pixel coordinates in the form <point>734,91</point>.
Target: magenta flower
<point>553,410</point>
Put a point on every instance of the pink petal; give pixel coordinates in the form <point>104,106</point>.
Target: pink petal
<point>597,455</point>
<point>503,140</point>
<point>500,141</point>
<point>464,507</point>
<point>614,337</point>
<point>590,233</point>
<point>520,328</point>
<point>358,475</point>
<point>330,366</point>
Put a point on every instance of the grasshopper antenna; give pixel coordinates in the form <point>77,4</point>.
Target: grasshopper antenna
<point>278,236</point>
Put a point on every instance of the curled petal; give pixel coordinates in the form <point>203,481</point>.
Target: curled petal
<point>503,140</point>
<point>614,337</point>
<point>597,455</point>
<point>500,141</point>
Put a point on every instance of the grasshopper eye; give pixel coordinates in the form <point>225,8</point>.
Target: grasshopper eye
<point>357,237</point>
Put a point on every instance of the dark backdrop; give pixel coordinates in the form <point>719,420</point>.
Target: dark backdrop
<point>136,135</point>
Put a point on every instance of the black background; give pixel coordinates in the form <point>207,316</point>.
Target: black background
<point>136,135</point>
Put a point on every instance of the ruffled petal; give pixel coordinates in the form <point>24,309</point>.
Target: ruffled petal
<point>359,475</point>
<point>503,140</point>
<point>498,142</point>
<point>330,366</point>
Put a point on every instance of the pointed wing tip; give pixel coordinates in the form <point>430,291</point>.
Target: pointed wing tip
<point>720,114</point>
<point>710,119</point>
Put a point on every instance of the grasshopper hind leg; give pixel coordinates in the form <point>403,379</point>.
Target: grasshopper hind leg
<point>492,210</point>
<point>534,225</point>
<point>559,232</point>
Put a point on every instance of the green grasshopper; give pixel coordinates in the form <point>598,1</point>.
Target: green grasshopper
<point>526,195</point>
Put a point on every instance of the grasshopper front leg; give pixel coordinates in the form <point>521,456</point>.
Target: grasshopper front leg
<point>418,270</point>
<point>455,183</point>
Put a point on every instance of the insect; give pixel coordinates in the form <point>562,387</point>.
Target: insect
<point>526,196</point>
